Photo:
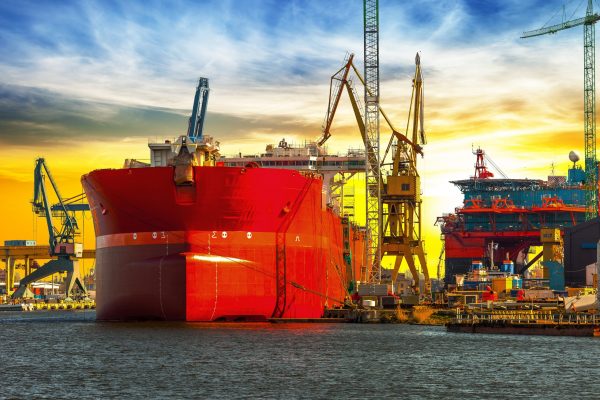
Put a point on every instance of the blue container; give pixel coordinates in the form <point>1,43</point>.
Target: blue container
<point>517,283</point>
<point>471,285</point>
<point>576,175</point>
<point>507,267</point>
<point>557,274</point>
<point>476,265</point>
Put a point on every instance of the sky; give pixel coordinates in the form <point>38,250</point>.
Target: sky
<point>86,84</point>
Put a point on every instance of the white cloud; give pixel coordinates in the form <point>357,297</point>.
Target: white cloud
<point>261,70</point>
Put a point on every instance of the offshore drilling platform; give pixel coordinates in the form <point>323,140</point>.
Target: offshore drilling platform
<point>502,219</point>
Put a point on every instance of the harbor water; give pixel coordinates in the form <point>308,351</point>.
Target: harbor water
<point>70,355</point>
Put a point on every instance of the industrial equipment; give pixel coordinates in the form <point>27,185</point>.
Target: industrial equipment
<point>61,239</point>
<point>372,166</point>
<point>589,98</point>
<point>511,213</point>
<point>196,123</point>
<point>402,235</point>
<point>553,257</point>
<point>400,193</point>
<point>481,170</point>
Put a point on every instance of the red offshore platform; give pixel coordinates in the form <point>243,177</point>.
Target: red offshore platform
<point>504,217</point>
<point>188,238</point>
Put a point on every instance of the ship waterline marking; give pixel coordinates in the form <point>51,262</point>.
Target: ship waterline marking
<point>182,237</point>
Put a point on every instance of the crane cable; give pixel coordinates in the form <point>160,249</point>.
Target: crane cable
<point>496,167</point>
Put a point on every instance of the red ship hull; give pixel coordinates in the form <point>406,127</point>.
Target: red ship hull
<point>239,244</point>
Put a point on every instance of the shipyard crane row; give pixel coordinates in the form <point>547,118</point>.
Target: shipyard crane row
<point>589,98</point>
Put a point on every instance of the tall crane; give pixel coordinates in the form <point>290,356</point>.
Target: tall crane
<point>196,123</point>
<point>373,175</point>
<point>402,233</point>
<point>405,216</point>
<point>589,98</point>
<point>396,198</point>
<point>61,239</point>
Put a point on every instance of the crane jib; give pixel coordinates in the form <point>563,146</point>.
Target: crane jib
<point>587,20</point>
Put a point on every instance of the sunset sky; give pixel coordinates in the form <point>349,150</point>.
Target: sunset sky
<point>85,84</point>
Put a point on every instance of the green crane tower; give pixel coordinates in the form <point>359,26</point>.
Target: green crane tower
<point>589,98</point>
<point>373,175</point>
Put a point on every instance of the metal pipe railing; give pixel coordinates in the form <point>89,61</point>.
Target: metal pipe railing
<point>527,317</point>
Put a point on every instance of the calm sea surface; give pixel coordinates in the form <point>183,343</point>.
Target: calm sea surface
<point>69,355</point>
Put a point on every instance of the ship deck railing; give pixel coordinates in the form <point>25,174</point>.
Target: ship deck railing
<point>526,317</point>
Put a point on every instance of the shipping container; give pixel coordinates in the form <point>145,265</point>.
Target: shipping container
<point>501,285</point>
<point>19,242</point>
<point>375,289</point>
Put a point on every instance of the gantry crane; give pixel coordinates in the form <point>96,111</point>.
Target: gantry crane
<point>196,123</point>
<point>403,225</point>
<point>62,239</point>
<point>589,98</point>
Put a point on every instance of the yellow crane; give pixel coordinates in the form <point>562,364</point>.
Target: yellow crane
<point>401,232</point>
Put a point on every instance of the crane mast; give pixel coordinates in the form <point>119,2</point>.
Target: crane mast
<point>372,164</point>
<point>589,98</point>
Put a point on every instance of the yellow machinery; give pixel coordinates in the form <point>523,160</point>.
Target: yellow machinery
<point>552,247</point>
<point>402,196</point>
<point>401,192</point>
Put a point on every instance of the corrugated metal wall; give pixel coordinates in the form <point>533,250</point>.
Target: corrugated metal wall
<point>580,250</point>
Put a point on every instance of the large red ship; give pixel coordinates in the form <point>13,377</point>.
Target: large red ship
<point>191,238</point>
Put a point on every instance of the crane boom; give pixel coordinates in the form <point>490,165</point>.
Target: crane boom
<point>196,123</point>
<point>395,133</point>
<point>335,93</point>
<point>591,19</point>
<point>42,206</point>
